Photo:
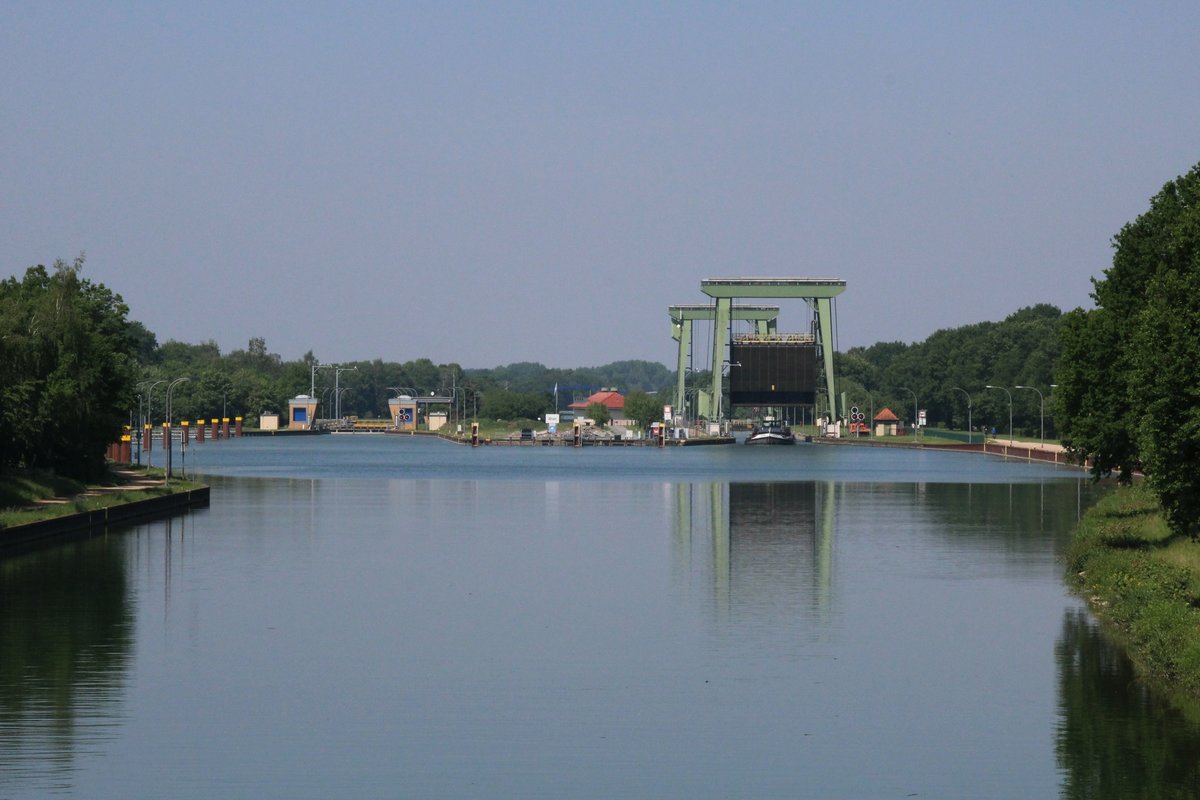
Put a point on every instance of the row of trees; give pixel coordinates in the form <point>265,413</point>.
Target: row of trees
<point>251,381</point>
<point>954,366</point>
<point>1129,380</point>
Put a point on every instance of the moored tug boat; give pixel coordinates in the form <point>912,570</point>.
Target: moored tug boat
<point>771,432</point>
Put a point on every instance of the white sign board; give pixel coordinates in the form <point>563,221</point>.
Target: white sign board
<point>552,419</point>
<point>667,413</point>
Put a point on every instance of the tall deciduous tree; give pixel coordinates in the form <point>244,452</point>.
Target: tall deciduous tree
<point>598,413</point>
<point>643,408</point>
<point>68,363</point>
<point>1130,375</point>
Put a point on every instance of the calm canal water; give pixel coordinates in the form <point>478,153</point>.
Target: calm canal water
<point>394,617</point>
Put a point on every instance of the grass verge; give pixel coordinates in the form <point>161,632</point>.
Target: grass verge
<point>23,494</point>
<point>1145,583</point>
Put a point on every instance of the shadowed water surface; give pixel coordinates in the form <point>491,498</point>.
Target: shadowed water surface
<point>396,617</point>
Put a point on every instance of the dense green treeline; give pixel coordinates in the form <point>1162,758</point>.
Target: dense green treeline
<point>1129,394</point>
<point>252,381</point>
<point>1022,350</point>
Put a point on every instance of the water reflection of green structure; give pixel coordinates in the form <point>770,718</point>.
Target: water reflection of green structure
<point>770,538</point>
<point>66,640</point>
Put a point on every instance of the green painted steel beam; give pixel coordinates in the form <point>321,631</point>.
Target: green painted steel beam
<point>771,288</point>
<point>819,292</point>
<point>682,319</point>
<point>704,312</point>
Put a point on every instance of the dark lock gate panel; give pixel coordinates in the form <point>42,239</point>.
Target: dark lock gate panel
<point>773,371</point>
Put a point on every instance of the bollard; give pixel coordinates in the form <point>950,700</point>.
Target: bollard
<point>199,430</point>
<point>238,427</point>
<point>216,432</point>
<point>225,427</point>
<point>474,434</point>
<point>577,433</point>
<point>183,433</point>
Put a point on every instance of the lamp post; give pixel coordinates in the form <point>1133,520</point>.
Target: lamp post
<point>137,432</point>
<point>167,439</point>
<point>688,389</point>
<point>1041,412</point>
<point>1007,392</point>
<point>312,377</point>
<point>916,427</point>
<point>321,404</point>
<point>1053,386</point>
<point>871,424</point>
<point>150,416</point>
<point>970,430</point>
<point>337,398</point>
<point>717,401</point>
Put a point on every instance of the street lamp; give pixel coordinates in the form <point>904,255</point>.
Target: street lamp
<point>321,405</point>
<point>166,439</point>
<point>137,433</point>
<point>150,416</point>
<point>970,430</point>
<point>1007,392</point>
<point>337,398</point>
<point>871,424</point>
<point>916,427</point>
<point>1042,412</point>
<point>312,377</point>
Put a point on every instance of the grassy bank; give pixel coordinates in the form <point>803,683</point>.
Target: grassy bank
<point>1145,583</point>
<point>30,496</point>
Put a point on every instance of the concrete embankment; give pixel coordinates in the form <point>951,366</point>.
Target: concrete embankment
<point>1024,451</point>
<point>20,538</point>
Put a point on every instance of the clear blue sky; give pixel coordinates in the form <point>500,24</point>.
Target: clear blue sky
<point>501,182</point>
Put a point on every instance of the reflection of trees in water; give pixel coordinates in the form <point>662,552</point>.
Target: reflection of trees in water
<point>66,633</point>
<point>1021,513</point>
<point>1115,738</point>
